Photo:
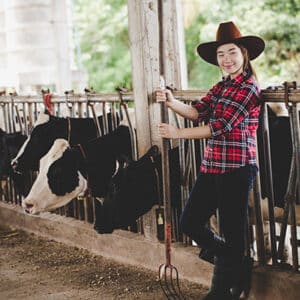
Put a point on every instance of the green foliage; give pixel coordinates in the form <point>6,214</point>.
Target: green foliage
<point>103,28</point>
<point>104,42</point>
<point>277,22</point>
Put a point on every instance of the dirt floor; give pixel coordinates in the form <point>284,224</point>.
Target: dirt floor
<point>39,269</point>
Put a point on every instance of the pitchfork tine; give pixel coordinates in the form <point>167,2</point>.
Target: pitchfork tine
<point>169,282</point>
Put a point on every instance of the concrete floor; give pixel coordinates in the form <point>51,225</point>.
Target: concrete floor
<point>269,283</point>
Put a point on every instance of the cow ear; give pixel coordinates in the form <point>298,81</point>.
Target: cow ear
<point>62,177</point>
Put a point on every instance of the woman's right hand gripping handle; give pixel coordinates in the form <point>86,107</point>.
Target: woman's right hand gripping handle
<point>165,95</point>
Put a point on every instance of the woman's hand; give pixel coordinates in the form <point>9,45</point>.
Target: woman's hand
<point>168,131</point>
<point>164,96</point>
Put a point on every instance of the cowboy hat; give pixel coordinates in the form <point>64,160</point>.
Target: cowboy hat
<point>229,33</point>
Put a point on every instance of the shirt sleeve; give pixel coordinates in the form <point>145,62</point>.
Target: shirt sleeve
<point>234,109</point>
<point>203,106</point>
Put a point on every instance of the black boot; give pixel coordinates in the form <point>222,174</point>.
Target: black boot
<point>244,275</point>
<point>207,255</point>
<point>216,246</point>
<point>221,280</point>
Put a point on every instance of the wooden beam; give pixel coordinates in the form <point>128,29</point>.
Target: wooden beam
<point>144,43</point>
<point>144,46</point>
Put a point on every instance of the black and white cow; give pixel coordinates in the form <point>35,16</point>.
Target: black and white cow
<point>40,197</point>
<point>49,128</point>
<point>64,171</point>
<point>10,144</point>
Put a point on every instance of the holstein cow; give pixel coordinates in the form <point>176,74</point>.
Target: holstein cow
<point>62,170</point>
<point>49,128</point>
<point>66,172</point>
<point>10,144</point>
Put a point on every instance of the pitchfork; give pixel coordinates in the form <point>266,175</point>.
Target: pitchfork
<point>168,274</point>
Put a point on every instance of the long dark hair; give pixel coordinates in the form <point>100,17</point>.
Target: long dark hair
<point>247,63</point>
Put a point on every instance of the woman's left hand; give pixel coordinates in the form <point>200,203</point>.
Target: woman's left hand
<point>168,131</point>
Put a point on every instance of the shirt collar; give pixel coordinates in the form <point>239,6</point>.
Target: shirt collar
<point>238,79</point>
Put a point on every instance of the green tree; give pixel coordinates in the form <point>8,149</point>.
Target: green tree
<point>277,22</point>
<point>103,29</point>
<point>103,33</point>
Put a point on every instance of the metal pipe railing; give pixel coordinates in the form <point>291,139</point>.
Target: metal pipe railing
<point>26,108</point>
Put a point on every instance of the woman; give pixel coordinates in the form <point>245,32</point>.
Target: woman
<point>230,113</point>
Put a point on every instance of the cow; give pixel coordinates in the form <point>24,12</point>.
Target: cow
<point>47,129</point>
<point>10,144</point>
<point>132,192</point>
<point>40,197</point>
<point>65,171</point>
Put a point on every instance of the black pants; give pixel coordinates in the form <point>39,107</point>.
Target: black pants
<point>228,193</point>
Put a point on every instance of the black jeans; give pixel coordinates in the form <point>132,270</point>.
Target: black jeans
<point>228,193</point>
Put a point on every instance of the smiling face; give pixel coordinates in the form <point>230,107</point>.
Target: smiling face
<point>230,59</point>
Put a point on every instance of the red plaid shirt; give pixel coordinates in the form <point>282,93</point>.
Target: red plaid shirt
<point>231,109</point>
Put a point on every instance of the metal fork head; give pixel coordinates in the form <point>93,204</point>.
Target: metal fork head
<point>169,282</point>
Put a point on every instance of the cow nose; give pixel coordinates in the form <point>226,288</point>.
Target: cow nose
<point>28,207</point>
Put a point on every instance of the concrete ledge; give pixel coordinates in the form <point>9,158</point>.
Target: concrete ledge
<point>129,248</point>
<point>122,246</point>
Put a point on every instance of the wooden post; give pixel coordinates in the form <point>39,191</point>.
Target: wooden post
<point>144,44</point>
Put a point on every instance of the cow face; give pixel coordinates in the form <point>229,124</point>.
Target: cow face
<point>37,144</point>
<point>10,143</point>
<point>41,197</point>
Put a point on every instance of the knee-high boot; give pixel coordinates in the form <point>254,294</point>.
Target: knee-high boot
<point>216,246</point>
<point>242,282</point>
<point>221,280</point>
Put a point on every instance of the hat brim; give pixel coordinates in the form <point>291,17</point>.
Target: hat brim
<point>254,44</point>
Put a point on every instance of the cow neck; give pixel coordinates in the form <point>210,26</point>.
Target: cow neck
<point>124,141</point>
<point>83,153</point>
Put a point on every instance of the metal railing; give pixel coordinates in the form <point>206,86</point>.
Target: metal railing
<point>18,113</point>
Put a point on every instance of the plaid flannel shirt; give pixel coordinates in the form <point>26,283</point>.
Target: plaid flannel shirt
<point>231,109</point>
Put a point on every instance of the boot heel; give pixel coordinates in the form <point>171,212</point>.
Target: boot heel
<point>244,281</point>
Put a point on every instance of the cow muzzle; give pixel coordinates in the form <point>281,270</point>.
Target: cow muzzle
<point>28,208</point>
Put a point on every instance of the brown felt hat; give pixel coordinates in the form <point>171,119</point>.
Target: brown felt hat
<point>229,33</point>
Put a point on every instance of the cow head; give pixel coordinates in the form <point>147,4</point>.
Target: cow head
<point>10,143</point>
<point>37,144</point>
<point>41,197</point>
<point>63,173</point>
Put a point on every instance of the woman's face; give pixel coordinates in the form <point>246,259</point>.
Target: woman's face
<point>230,59</point>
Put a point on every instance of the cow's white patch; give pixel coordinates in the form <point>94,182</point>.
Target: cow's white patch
<point>40,197</point>
<point>42,119</point>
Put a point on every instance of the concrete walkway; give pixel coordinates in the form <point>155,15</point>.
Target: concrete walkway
<point>269,283</point>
